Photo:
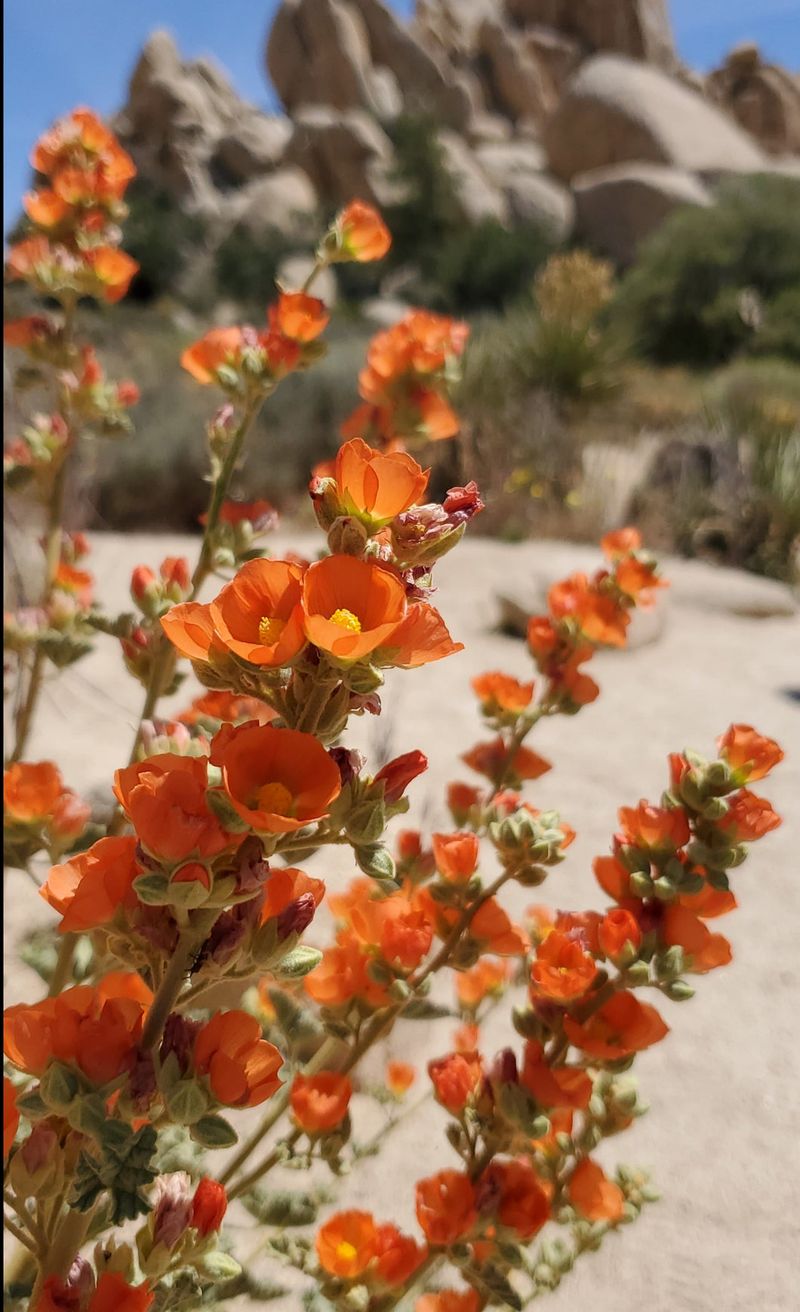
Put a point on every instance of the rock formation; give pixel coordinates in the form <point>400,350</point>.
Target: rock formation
<point>553,111</point>
<point>763,98</point>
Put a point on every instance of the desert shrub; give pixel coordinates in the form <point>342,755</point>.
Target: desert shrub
<point>711,281</point>
<point>460,266</point>
<point>161,237</point>
<point>246,264</point>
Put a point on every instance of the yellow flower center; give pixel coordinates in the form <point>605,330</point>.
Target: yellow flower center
<point>269,630</point>
<point>346,620</point>
<point>273,798</point>
<point>346,1251</point>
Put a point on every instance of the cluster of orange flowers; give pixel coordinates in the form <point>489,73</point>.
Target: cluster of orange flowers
<point>75,248</point>
<point>405,382</point>
<point>194,881</point>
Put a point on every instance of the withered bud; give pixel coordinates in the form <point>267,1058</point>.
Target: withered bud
<point>350,763</point>
<point>296,917</point>
<point>179,1037</point>
<point>504,1068</point>
<point>172,1208</point>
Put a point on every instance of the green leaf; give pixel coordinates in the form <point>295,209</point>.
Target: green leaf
<point>214,1132</point>
<point>421,1009</point>
<point>299,962</point>
<point>281,1208</point>
<point>153,890</point>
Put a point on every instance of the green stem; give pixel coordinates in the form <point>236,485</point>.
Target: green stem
<point>52,554</point>
<point>221,484</point>
<point>63,967</point>
<point>173,979</point>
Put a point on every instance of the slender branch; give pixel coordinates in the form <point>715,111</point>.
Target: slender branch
<point>173,980</point>
<point>20,1235</point>
<point>63,967</point>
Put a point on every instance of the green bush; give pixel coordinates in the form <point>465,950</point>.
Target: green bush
<point>245,265</point>
<point>161,237</point>
<point>460,266</point>
<point>713,282</point>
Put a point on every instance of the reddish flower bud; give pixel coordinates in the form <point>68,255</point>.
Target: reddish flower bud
<point>209,1206</point>
<point>399,773</point>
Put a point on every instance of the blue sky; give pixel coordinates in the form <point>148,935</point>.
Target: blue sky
<point>60,53</point>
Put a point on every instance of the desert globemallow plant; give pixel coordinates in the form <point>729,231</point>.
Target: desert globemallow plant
<point>125,1084</point>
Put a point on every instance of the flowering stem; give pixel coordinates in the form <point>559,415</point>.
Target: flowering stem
<point>63,967</point>
<point>172,982</point>
<point>165,655</point>
<point>381,1024</point>
<point>52,554</point>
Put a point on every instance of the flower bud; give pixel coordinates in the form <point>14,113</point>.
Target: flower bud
<point>347,536</point>
<point>209,1205</point>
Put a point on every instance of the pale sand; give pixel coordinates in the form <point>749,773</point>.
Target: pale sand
<point>723,1135</point>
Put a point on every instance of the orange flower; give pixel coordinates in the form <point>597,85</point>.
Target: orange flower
<point>461,798</point>
<point>10,1115</point>
<point>704,950</point>
<point>466,1038</point>
<point>80,139</point>
<point>446,1207</point>
<point>242,1068</point>
<point>298,316</point>
<point>709,902</point>
<point>400,930</point>
<point>524,1204</point>
<point>31,791</point>
<point>209,1206</point>
<point>422,637</point>
<point>226,707</point>
<point>638,581</point>
<point>493,927</point>
<point>88,890</point>
<point>287,885</point>
<point>490,759</point>
<point>499,692</point>
<point>622,1025</point>
<point>347,1243</point>
<point>114,271</point>
<point>484,979</point>
<point>749,817</point>
<point>612,877</point>
<point>190,630</point>
<point>749,754</point>
<point>258,615</point>
<point>112,1294</point>
<point>351,606</point>
<point>449,1300</point>
<point>397,1256</point>
<point>362,232</point>
<point>620,543</point>
<point>562,970</point>
<point>455,1079</point>
<point>320,1102</point>
<point>554,1086</point>
<point>220,346</point>
<point>456,856</point>
<point>593,1195</point>
<point>399,1077</point>
<point>656,828</point>
<point>343,975</point>
<point>96,1028</point>
<point>276,779</point>
<point>598,616</point>
<point>616,931</point>
<point>164,797</point>
<point>376,486</point>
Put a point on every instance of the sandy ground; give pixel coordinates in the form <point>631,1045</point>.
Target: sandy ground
<point>723,1135</point>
